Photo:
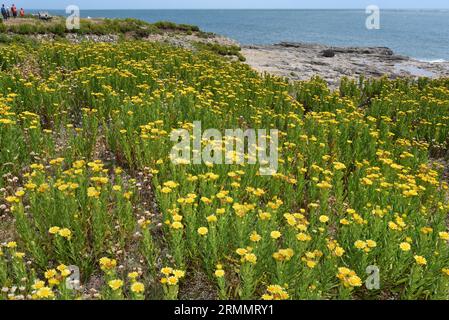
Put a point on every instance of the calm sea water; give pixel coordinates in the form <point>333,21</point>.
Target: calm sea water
<point>422,34</point>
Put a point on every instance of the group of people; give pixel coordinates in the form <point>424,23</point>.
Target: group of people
<point>12,12</point>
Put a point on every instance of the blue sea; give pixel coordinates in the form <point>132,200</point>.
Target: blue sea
<point>421,34</point>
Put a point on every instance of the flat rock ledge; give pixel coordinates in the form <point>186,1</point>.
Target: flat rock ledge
<point>302,61</point>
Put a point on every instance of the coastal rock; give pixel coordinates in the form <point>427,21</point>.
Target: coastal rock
<point>328,53</point>
<point>302,61</point>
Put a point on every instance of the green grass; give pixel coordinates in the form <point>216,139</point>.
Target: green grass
<point>133,27</point>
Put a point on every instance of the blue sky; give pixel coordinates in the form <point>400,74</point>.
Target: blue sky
<point>225,4</point>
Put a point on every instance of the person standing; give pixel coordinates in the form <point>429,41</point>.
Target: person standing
<point>14,11</point>
<point>4,14</point>
<point>22,13</point>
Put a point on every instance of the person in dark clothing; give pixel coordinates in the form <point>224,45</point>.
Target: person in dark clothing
<point>4,13</point>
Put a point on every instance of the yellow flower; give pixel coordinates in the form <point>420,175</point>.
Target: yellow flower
<point>211,218</point>
<point>339,166</point>
<point>359,244</point>
<point>444,235</point>
<point>137,287</point>
<point>255,237</point>
<point>324,219</point>
<point>203,231</point>
<point>219,273</point>
<point>166,190</point>
<point>324,185</point>
<point>420,260</point>
<point>38,284</point>
<point>275,234</point>
<point>65,233</point>
<point>303,237</point>
<point>241,251</point>
<point>92,192</point>
<point>115,284</point>
<point>177,225</point>
<point>371,243</point>
<point>107,264</point>
<point>167,271</point>
<point>50,273</point>
<point>251,258</point>
<point>405,246</point>
<point>45,293</point>
<point>20,193</point>
<point>54,230</point>
<point>179,273</point>
<point>355,281</point>
<point>172,281</point>
<point>11,245</point>
<point>133,275</point>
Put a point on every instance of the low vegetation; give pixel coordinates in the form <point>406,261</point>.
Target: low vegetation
<point>86,179</point>
<point>57,26</point>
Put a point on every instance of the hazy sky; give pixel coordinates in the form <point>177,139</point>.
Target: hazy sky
<point>225,4</point>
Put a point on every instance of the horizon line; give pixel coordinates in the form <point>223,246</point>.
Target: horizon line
<point>242,9</point>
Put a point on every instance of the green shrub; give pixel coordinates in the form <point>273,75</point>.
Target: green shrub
<point>3,27</point>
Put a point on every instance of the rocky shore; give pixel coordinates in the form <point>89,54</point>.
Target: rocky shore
<point>302,61</point>
<point>296,61</point>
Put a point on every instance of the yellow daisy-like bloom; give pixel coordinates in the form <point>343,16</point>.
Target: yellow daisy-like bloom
<point>107,264</point>
<point>241,251</point>
<point>50,273</point>
<point>371,243</point>
<point>339,251</point>
<point>133,275</point>
<point>219,273</point>
<point>177,225</point>
<point>167,271</point>
<point>115,284</point>
<point>179,273</point>
<point>324,219</point>
<point>303,237</point>
<point>251,258</point>
<point>275,235</point>
<point>92,193</point>
<point>137,287</point>
<point>54,230</point>
<point>203,231</point>
<point>255,237</point>
<point>354,281</point>
<point>65,233</point>
<point>38,284</point>
<point>11,245</point>
<point>444,235</point>
<point>172,281</point>
<point>405,246</point>
<point>420,260</point>
<point>44,293</point>
<point>359,244</point>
